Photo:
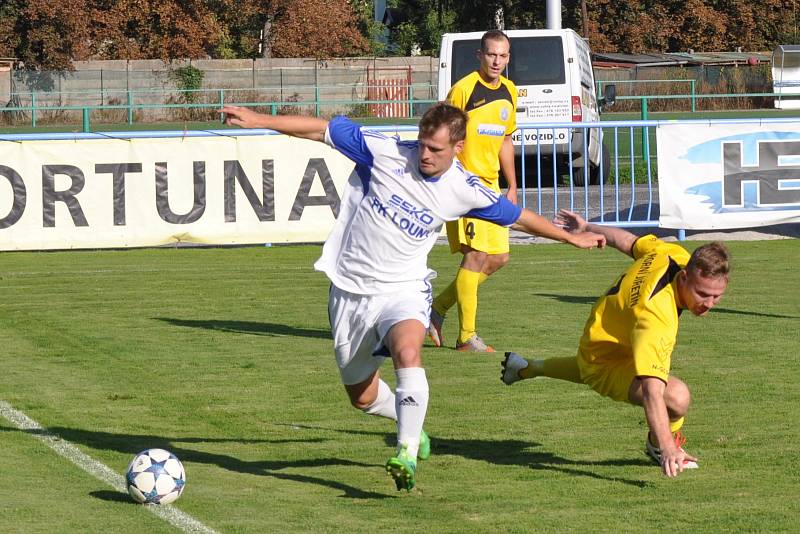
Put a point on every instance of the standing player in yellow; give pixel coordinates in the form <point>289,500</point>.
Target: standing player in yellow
<point>490,101</point>
<point>626,347</point>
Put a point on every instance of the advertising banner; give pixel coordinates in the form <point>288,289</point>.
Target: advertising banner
<point>714,176</point>
<point>100,193</point>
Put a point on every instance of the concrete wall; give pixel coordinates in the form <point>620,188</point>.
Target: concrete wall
<point>281,85</point>
<point>95,82</point>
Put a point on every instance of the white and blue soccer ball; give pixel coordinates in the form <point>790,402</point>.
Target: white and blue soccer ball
<point>155,476</point>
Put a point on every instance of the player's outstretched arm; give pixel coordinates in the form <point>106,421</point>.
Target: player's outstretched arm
<point>618,238</point>
<point>295,125</point>
<point>534,224</point>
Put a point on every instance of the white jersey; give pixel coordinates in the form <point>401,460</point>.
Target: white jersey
<point>391,214</point>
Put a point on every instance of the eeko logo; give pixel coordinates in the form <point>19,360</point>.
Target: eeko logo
<point>760,172</point>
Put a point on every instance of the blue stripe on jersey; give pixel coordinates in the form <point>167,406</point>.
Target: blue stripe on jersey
<point>476,182</point>
<point>502,212</point>
<point>349,140</point>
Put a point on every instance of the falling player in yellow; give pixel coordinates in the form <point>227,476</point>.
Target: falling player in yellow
<point>490,101</point>
<point>626,347</point>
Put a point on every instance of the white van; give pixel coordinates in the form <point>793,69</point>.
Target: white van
<point>552,70</point>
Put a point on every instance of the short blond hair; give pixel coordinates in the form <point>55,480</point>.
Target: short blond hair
<point>712,260</point>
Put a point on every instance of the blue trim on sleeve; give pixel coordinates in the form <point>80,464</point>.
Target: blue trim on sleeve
<point>349,140</point>
<point>502,212</point>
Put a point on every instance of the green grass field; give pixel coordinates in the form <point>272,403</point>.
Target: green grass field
<point>223,357</point>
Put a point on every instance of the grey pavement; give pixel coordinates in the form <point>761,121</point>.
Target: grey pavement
<point>630,205</point>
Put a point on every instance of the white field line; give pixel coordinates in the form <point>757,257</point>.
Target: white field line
<point>98,470</point>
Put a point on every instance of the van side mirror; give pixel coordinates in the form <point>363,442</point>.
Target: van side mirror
<point>609,96</point>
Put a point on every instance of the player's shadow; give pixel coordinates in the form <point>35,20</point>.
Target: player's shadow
<point>249,327</point>
<point>575,299</point>
<point>514,452</point>
<point>568,299</point>
<point>113,496</point>
<point>717,309</point>
<point>132,444</point>
<point>530,454</point>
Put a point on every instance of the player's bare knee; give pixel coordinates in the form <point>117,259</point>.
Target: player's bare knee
<point>497,261</point>
<point>407,356</point>
<point>677,398</point>
<point>474,260</point>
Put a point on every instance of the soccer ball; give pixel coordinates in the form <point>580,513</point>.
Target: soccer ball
<point>155,476</point>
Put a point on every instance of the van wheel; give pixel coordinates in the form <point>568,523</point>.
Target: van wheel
<point>532,171</point>
<point>578,176</point>
<point>594,170</point>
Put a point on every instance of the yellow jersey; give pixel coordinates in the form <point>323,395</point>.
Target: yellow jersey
<point>636,321</point>
<point>492,116</point>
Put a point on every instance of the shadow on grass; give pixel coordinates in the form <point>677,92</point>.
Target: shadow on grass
<point>574,299</point>
<point>113,496</point>
<point>514,452</point>
<point>568,299</point>
<point>134,443</point>
<point>753,314</point>
<point>529,454</point>
<point>249,327</point>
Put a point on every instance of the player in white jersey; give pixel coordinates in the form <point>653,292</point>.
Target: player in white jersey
<point>393,208</point>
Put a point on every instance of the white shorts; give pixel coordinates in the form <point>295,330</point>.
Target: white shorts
<point>360,322</point>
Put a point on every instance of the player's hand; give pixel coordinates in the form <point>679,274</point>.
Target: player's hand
<point>511,194</point>
<point>588,240</point>
<point>571,222</point>
<point>673,461</point>
<point>242,117</point>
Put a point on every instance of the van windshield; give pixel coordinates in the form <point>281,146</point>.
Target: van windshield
<point>534,60</point>
<point>537,61</point>
<point>464,58</point>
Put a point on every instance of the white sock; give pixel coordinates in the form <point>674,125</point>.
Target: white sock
<point>411,401</point>
<point>384,404</point>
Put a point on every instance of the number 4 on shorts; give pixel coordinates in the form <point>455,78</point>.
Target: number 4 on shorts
<point>469,230</point>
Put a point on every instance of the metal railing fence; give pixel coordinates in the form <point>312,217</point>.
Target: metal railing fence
<point>601,84</point>
<point>181,106</point>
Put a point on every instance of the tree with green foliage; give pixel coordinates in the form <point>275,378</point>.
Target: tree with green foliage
<point>241,24</point>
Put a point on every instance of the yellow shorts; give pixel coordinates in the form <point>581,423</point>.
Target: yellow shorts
<point>478,235</point>
<point>610,378</point>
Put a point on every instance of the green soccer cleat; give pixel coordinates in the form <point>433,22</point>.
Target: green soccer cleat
<point>403,469</point>
<point>424,451</point>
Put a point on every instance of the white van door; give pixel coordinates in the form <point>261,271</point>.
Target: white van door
<point>539,69</point>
